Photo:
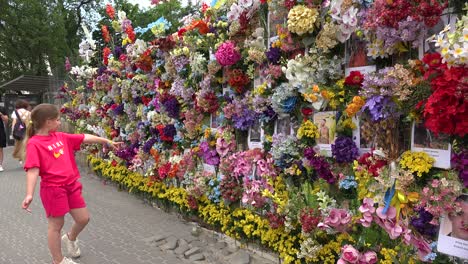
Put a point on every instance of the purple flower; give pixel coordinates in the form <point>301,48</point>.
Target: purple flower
<point>422,223</point>
<point>460,163</point>
<point>149,144</point>
<point>320,165</point>
<point>119,109</point>
<point>245,119</point>
<point>170,130</point>
<point>210,156</point>
<point>171,105</point>
<point>380,108</point>
<point>344,149</point>
<point>118,51</point>
<point>180,62</point>
<point>273,55</point>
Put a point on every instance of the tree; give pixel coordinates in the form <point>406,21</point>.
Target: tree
<point>36,36</point>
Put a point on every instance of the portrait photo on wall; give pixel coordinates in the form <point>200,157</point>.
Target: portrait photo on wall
<point>255,137</point>
<point>436,146</point>
<point>326,124</point>
<point>356,58</point>
<point>453,232</point>
<point>283,125</point>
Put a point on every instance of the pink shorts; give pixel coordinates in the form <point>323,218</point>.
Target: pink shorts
<point>59,200</point>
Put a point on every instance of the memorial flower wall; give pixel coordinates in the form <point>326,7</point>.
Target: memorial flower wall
<point>270,121</point>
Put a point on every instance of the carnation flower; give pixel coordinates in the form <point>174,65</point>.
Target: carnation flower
<point>227,54</point>
<point>301,19</point>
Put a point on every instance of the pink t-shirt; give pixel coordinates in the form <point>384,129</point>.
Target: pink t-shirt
<point>54,155</point>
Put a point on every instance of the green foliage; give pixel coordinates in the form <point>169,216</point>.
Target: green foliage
<point>36,36</point>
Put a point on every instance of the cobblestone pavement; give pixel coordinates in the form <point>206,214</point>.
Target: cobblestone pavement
<point>123,229</point>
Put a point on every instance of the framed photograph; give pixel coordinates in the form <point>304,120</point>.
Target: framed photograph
<point>214,122</point>
<point>453,233</point>
<point>356,58</point>
<point>363,139</point>
<point>326,124</point>
<point>284,125</point>
<point>277,15</point>
<point>437,147</point>
<point>255,137</point>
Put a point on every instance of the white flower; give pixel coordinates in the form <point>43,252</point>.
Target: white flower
<point>245,3</point>
<point>464,38</point>
<point>349,17</point>
<point>335,9</point>
<point>457,51</point>
<point>234,12</point>
<point>121,15</point>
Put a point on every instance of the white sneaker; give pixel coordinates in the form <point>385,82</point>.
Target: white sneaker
<point>1,168</point>
<point>67,261</point>
<point>72,247</point>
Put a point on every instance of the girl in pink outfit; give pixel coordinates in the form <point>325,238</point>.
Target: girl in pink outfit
<point>50,154</point>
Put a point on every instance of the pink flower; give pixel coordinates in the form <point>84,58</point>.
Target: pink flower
<point>349,254</point>
<point>366,219</point>
<point>341,261</point>
<point>370,257</point>
<point>391,213</point>
<point>338,218</point>
<point>227,54</point>
<point>393,229</point>
<point>367,206</point>
<point>223,147</point>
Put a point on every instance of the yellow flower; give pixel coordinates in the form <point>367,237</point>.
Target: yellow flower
<point>308,129</point>
<point>416,162</point>
<point>301,19</point>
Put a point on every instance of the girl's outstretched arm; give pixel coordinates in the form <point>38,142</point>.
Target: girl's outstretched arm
<point>31,179</point>
<point>91,139</point>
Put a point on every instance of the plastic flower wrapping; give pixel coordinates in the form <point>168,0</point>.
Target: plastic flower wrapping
<point>251,118</point>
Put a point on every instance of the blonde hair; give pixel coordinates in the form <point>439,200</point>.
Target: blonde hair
<point>39,116</point>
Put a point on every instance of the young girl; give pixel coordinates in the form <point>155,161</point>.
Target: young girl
<point>50,154</point>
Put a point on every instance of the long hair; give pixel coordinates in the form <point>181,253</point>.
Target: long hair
<point>39,116</point>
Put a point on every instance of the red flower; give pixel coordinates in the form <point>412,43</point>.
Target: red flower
<point>114,163</point>
<point>204,7</point>
<point>110,11</point>
<point>354,78</point>
<point>130,33</point>
<point>105,54</point>
<point>181,32</point>
<point>307,111</point>
<point>105,33</point>
<point>238,80</point>
<point>432,59</point>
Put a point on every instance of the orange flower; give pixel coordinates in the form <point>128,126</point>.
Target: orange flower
<point>155,155</point>
<point>201,25</point>
<point>105,33</point>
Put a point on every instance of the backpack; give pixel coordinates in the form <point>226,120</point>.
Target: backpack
<point>20,128</point>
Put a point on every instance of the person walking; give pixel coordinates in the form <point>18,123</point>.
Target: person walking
<point>3,137</point>
<point>50,155</point>
<point>21,112</point>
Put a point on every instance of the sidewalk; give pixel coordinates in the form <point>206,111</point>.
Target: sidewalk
<point>123,229</point>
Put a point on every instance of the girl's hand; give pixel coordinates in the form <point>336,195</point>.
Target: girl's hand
<point>114,145</point>
<point>26,202</point>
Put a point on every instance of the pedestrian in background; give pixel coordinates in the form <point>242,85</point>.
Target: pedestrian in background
<point>50,154</point>
<point>3,136</point>
<point>21,107</point>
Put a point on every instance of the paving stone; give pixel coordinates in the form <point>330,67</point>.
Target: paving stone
<point>197,257</point>
<point>181,249</point>
<point>192,251</point>
<point>220,245</point>
<point>123,229</point>
<point>240,257</point>
<point>153,239</point>
<point>171,243</point>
